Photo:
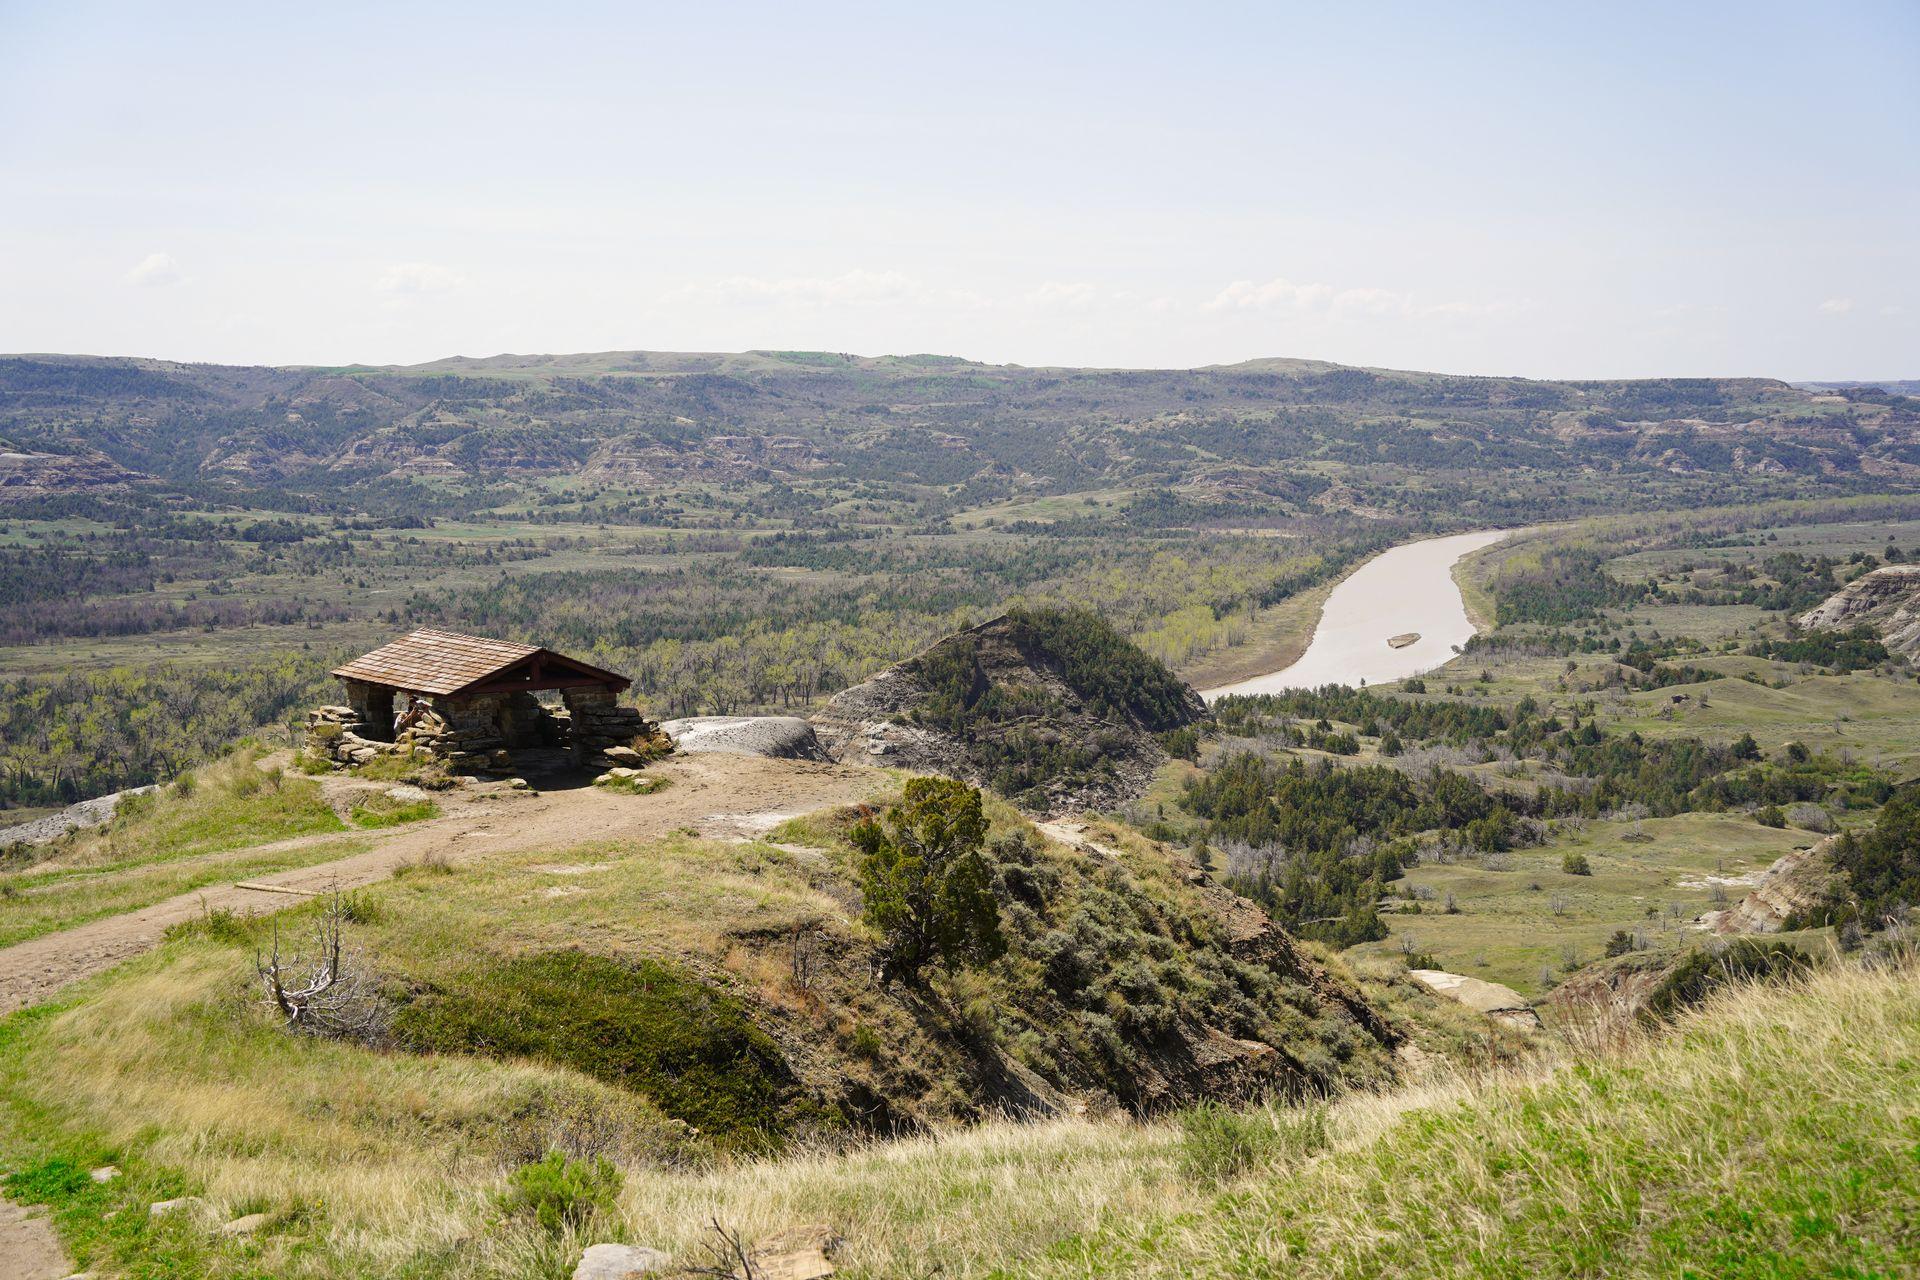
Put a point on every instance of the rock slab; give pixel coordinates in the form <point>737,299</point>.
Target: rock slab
<point>1501,1003</point>
<point>1886,599</point>
<point>777,737</point>
<point>619,1262</point>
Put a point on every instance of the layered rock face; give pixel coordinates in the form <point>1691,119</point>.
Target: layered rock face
<point>1794,885</point>
<point>40,475</point>
<point>1887,599</point>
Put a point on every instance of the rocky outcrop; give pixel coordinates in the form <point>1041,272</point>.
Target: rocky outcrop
<point>1610,991</point>
<point>1198,1061</point>
<point>87,813</point>
<point>38,475</point>
<point>1052,708</point>
<point>1887,599</point>
<point>1794,886</point>
<point>777,737</point>
<point>1501,1003</point>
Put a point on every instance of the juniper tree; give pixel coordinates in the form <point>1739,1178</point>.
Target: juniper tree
<point>925,884</point>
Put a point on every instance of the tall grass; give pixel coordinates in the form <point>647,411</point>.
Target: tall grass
<point>1770,1132</point>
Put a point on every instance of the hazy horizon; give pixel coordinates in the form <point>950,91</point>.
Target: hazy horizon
<point>886,355</point>
<point>1498,190</point>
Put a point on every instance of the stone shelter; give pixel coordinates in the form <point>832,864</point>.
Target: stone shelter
<point>471,700</point>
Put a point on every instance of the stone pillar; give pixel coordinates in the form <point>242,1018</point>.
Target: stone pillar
<point>372,706</point>
<point>520,720</point>
<point>601,725</point>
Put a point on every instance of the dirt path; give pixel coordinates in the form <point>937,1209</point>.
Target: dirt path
<point>29,1249</point>
<point>719,795</point>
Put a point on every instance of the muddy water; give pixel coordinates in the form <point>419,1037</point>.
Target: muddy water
<point>1409,589</point>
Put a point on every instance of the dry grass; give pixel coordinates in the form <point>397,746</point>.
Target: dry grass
<point>1769,1134</point>
<point>227,821</point>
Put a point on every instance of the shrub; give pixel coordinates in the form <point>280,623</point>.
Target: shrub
<point>432,862</point>
<point>559,1193</point>
<point>865,1042</point>
<point>1182,743</point>
<point>924,883</point>
<point>1620,943</point>
<point>1707,969</point>
<point>1574,863</point>
<point>218,924</point>
<point>1771,817</point>
<point>1218,1143</point>
<point>312,763</point>
<point>1811,817</point>
<point>1882,867</point>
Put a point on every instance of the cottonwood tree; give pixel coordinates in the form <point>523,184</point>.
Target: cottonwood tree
<point>925,884</point>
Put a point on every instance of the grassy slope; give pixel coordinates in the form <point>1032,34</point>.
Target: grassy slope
<point>172,842</point>
<point>172,1068</point>
<point>1773,1134</point>
<point>1512,923</point>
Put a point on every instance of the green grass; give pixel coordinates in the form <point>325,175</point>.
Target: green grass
<point>641,1024</point>
<point>186,836</point>
<point>35,904</point>
<point>1870,715</point>
<point>1507,930</point>
<point>1049,508</point>
<point>1771,1136</point>
<point>386,812</point>
<point>1772,1133</point>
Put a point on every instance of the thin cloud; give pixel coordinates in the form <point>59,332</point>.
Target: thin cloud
<point>1282,294</point>
<point>154,271</point>
<point>1068,295</point>
<point>405,278</point>
<point>856,288</point>
<point>1245,295</point>
<point>1835,306</point>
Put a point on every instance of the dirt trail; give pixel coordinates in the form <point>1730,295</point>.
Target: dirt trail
<point>29,1249</point>
<point>717,795</point>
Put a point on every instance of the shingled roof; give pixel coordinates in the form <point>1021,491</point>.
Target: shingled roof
<point>442,662</point>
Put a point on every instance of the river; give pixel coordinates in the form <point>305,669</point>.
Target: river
<point>1406,590</point>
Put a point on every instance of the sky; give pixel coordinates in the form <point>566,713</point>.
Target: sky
<point>1594,190</point>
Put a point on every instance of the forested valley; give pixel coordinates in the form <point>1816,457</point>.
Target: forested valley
<point>186,550</point>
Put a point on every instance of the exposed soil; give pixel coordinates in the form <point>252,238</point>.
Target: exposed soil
<point>29,1249</point>
<point>719,795</point>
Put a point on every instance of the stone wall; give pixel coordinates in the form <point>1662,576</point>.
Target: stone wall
<point>470,730</point>
<point>463,730</point>
<point>606,733</point>
<point>341,734</point>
